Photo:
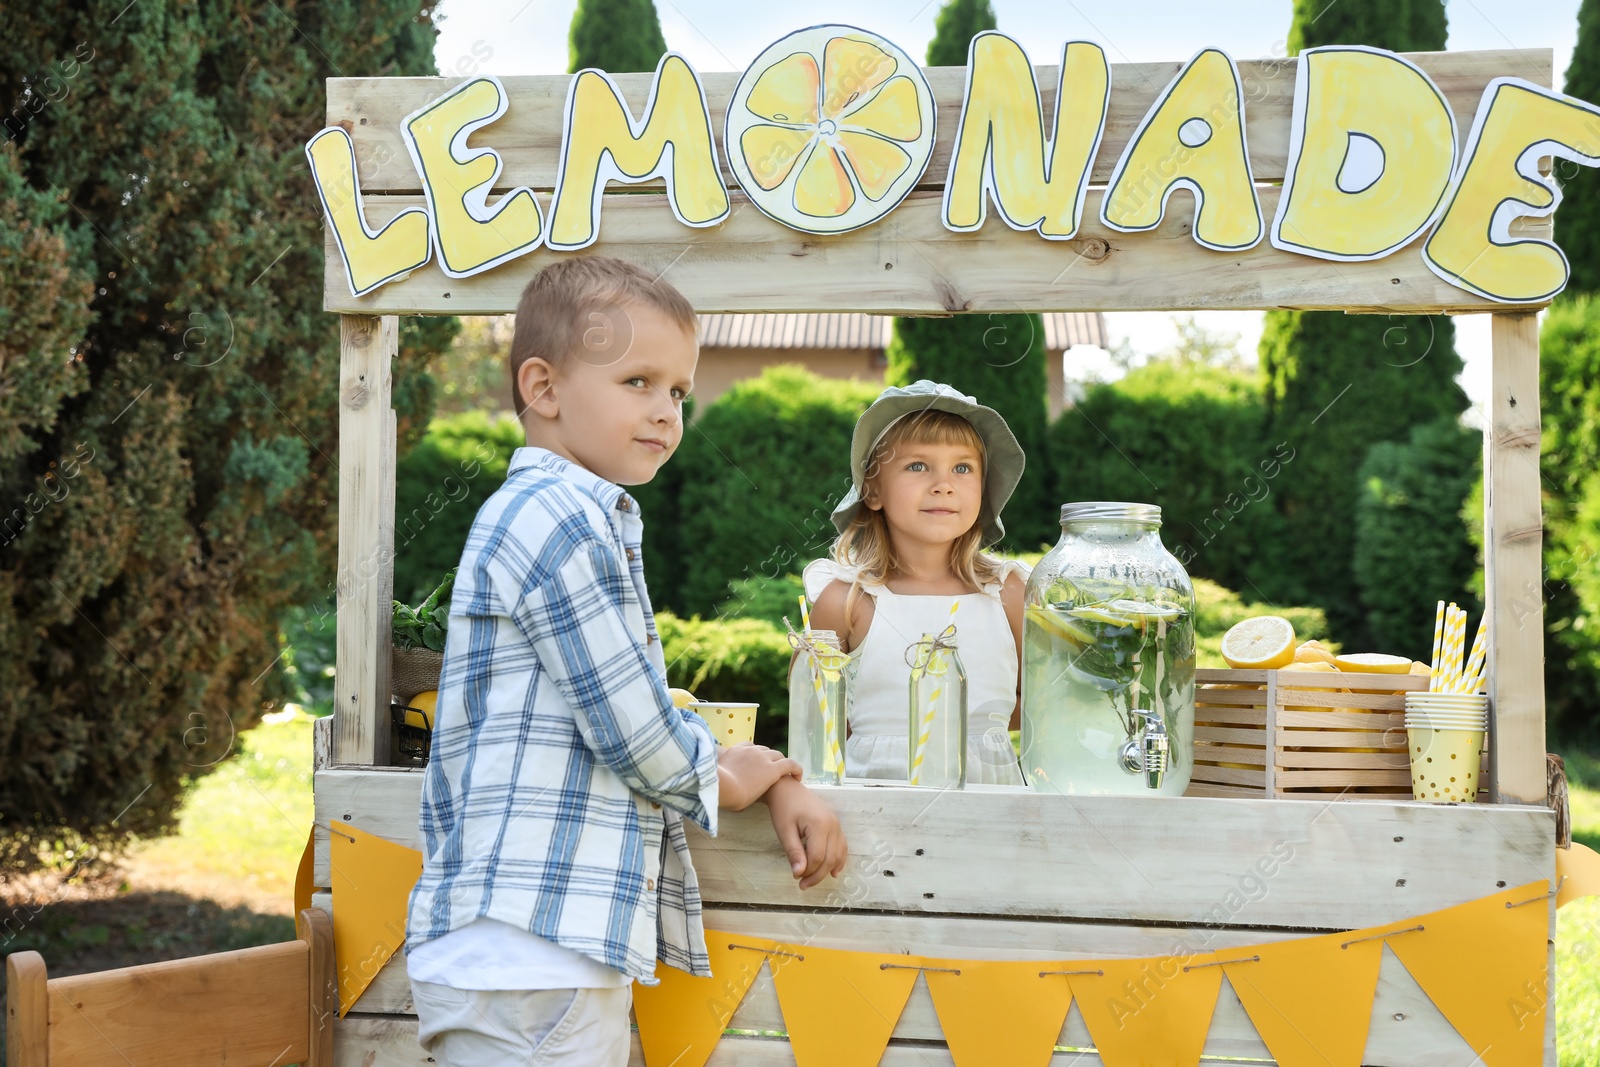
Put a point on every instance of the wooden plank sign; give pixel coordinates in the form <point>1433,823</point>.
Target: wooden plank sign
<point>836,174</point>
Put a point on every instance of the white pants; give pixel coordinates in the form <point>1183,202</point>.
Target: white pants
<point>501,1028</point>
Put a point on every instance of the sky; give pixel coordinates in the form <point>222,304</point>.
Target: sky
<point>506,37</point>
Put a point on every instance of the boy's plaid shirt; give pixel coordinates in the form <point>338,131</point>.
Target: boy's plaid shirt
<point>559,766</point>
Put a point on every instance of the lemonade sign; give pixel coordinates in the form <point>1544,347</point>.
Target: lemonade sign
<point>832,127</point>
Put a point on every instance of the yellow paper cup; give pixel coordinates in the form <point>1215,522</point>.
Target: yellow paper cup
<point>1444,764</point>
<point>730,723</point>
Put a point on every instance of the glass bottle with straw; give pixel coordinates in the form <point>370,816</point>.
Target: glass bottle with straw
<point>937,753</point>
<point>818,701</point>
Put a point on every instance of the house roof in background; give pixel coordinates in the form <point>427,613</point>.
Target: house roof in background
<point>1062,330</point>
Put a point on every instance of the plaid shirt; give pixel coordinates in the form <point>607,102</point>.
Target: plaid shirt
<point>560,772</point>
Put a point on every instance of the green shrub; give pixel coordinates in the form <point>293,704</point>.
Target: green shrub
<point>1412,548</point>
<point>738,660</point>
<point>769,599</point>
<point>438,488</point>
<point>1188,437</point>
<point>761,471</point>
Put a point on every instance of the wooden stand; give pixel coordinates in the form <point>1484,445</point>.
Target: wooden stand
<point>1082,876</point>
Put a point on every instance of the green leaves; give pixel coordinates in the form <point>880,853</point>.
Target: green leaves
<point>424,626</point>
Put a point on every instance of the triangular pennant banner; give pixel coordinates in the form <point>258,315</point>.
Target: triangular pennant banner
<point>972,998</point>
<point>1483,964</point>
<point>1577,873</point>
<point>1310,999</point>
<point>372,880</point>
<point>682,1019</point>
<point>303,876</point>
<point>840,1007</point>
<point>1147,1012</point>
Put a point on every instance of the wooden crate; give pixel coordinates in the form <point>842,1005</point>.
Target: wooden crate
<point>1332,735</point>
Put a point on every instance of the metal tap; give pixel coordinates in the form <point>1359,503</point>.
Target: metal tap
<point>1147,752</point>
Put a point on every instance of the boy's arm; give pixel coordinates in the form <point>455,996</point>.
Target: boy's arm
<point>575,622</point>
<point>807,829</point>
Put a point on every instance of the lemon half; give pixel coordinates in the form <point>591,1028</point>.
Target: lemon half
<point>1373,663</point>
<point>1261,643</point>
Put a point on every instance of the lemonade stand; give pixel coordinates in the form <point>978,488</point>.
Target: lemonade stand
<point>1252,918</point>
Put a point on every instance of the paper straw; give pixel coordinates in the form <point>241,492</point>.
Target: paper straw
<point>1457,635</point>
<point>925,728</point>
<point>1439,637</point>
<point>1480,649</point>
<point>805,613</point>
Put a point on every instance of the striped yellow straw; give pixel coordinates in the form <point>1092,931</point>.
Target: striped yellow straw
<point>925,728</point>
<point>1480,649</point>
<point>1439,639</point>
<point>1455,637</point>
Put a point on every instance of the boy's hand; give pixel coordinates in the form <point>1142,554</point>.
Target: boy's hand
<point>746,771</point>
<point>807,829</point>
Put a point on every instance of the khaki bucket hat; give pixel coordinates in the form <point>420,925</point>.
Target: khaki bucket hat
<point>1003,459</point>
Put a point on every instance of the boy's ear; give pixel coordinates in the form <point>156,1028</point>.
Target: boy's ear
<point>536,384</point>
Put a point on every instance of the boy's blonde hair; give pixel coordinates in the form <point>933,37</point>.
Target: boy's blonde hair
<point>572,296</point>
<point>865,543</point>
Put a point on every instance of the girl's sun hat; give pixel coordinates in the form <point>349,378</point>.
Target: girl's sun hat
<point>1003,459</point>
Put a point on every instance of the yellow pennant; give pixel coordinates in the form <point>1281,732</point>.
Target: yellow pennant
<point>1310,999</point>
<point>372,880</point>
<point>840,1007</point>
<point>682,1019</point>
<point>1147,1011</point>
<point>1483,964</point>
<point>1577,873</point>
<point>973,997</point>
<point>304,876</point>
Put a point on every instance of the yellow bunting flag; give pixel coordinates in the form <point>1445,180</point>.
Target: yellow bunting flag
<point>840,1007</point>
<point>1144,1011</point>
<point>1310,999</point>
<point>1577,873</point>
<point>1000,1014</point>
<point>1483,964</point>
<point>372,880</point>
<point>682,1019</point>
<point>304,878</point>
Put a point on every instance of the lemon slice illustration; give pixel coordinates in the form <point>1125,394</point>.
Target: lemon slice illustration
<point>830,128</point>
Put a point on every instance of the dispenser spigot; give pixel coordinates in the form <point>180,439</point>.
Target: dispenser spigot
<point>1147,752</point>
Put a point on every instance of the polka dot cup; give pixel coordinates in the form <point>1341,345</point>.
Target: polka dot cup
<point>1444,764</point>
<point>730,723</point>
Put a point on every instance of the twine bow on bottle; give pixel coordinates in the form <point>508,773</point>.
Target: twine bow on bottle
<point>920,653</point>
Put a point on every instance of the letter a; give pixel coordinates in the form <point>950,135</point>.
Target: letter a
<point>1001,152</point>
<point>470,235</point>
<point>602,143</point>
<point>1192,138</point>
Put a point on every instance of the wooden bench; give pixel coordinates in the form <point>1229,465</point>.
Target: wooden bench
<point>256,1007</point>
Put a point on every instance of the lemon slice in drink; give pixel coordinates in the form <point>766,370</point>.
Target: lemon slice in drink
<point>1056,623</point>
<point>1102,613</point>
<point>1262,643</point>
<point>831,659</point>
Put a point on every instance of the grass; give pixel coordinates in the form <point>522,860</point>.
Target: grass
<point>226,881</point>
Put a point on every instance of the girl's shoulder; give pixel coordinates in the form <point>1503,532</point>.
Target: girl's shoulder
<point>820,573</point>
<point>1007,570</point>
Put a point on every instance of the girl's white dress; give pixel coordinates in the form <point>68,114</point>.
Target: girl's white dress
<point>880,678</point>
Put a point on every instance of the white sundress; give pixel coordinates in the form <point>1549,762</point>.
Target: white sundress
<point>879,677</point>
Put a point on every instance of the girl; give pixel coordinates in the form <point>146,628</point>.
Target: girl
<point>930,471</point>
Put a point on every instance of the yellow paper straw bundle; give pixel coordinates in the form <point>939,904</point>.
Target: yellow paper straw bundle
<point>934,663</point>
<point>1451,672</point>
<point>833,759</point>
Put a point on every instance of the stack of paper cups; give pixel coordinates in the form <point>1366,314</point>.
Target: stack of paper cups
<point>1445,734</point>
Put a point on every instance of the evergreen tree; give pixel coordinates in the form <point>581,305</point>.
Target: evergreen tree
<point>169,386</point>
<point>1337,384</point>
<point>616,36</point>
<point>1578,221</point>
<point>958,22</point>
<point>999,359</point>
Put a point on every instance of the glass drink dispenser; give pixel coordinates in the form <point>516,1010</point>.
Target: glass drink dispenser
<point>1108,658</point>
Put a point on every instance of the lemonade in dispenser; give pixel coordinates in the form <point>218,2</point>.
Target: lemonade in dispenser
<point>1108,658</point>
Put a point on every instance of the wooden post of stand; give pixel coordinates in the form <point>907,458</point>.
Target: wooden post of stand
<point>367,346</point>
<point>1513,564</point>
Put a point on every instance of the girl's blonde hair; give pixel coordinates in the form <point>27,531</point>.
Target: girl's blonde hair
<point>865,543</point>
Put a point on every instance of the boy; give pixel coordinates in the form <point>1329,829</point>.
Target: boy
<point>556,869</point>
